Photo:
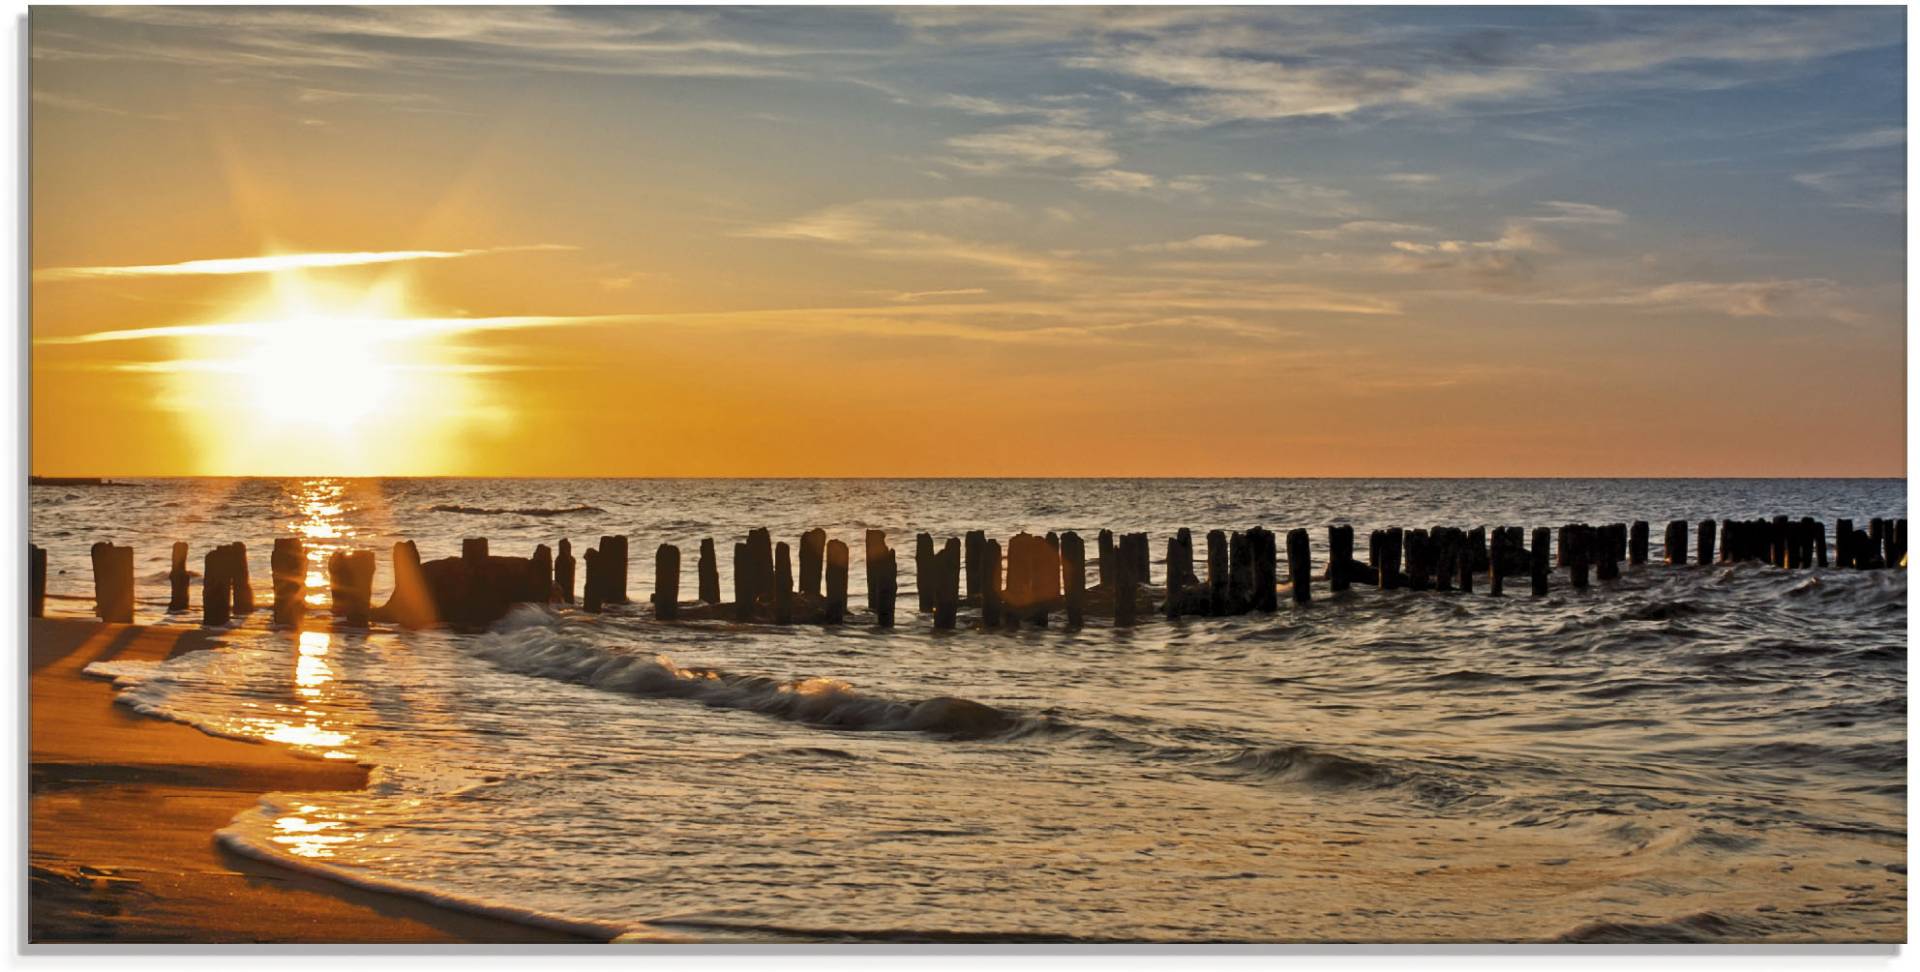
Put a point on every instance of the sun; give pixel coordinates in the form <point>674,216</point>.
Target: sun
<point>324,359</point>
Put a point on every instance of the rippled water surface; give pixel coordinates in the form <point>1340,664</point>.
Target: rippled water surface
<point>1687,753</point>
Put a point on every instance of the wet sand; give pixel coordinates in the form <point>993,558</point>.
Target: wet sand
<point>124,809</point>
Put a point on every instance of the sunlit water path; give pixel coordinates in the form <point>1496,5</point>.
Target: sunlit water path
<point>1712,754</point>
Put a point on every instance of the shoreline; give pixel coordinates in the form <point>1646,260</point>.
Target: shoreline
<point>123,811</point>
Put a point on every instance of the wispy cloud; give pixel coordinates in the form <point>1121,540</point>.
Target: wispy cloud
<point>277,262</point>
<point>1210,242</point>
<point>1888,136</point>
<point>397,329</point>
<point>938,230</point>
<point>1853,187</point>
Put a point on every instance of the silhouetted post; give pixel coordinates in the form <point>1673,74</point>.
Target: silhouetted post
<point>1637,543</point>
<point>336,581</point>
<point>883,585</point>
<point>1073,574</point>
<point>242,579</point>
<point>813,555</point>
<point>1675,542</point>
<point>1187,577</point>
<point>1239,573</point>
<point>1265,548</point>
<point>1819,528</point>
<point>1580,556</point>
<point>760,565</point>
<point>708,569</point>
<point>350,578</point>
<point>1707,538</point>
<point>1464,561</point>
<point>1174,580</point>
<point>1392,546</point>
<point>1899,534</point>
<point>1142,559</point>
<point>113,583</point>
<point>946,595</point>
<point>1123,590</point>
<point>1339,557</point>
<point>563,571</point>
<point>782,583</point>
<point>837,560</point>
<point>541,566</point>
<point>1105,548</point>
<point>1843,544</point>
<point>988,552</point>
<point>1299,566</point>
<point>591,591</point>
<point>216,589</point>
<point>1419,560</point>
<point>1218,581</point>
<point>474,549</point>
<point>975,548</point>
<point>1563,553</point>
<point>616,567</point>
<point>177,579</point>
<point>742,583</point>
<point>36,581</point>
<point>1541,563</point>
<point>1777,549</point>
<point>1612,543</point>
<point>287,565</point>
<point>1441,541</point>
<point>1497,563</point>
<point>922,567</point>
<point>666,582</point>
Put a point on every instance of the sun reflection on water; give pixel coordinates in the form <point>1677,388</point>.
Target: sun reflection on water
<point>323,528</point>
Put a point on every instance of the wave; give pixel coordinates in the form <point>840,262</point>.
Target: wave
<point>530,511</point>
<point>529,642</point>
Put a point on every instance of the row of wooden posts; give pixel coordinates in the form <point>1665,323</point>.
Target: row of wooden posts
<point>1042,574</point>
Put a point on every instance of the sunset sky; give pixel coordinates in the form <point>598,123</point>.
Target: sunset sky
<point>948,241</point>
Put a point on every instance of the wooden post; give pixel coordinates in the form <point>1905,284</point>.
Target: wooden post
<point>1419,561</point>
<point>782,583</point>
<point>989,576</point>
<point>1265,548</point>
<point>177,578</point>
<point>1612,542</point>
<point>872,560</point>
<point>563,571</point>
<point>709,571</point>
<point>1637,544</point>
<point>1105,548</point>
<point>1441,541</point>
<point>1497,563</point>
<point>1299,565</point>
<point>1580,557</point>
<point>1392,545</point>
<point>837,560</point>
<point>242,579</point>
<point>336,582</point>
<point>1142,559</point>
<point>1174,579</point>
<point>1707,530</point>
<point>216,589</point>
<point>1675,543</point>
<point>1843,544</point>
<point>922,570</point>
<point>1240,573</point>
<point>1541,564</point>
<point>883,585</point>
<point>1465,562</point>
<point>590,591</point>
<point>743,592</point>
<point>1187,577</point>
<point>616,562</point>
<point>1123,589</point>
<point>113,583</point>
<point>475,548</point>
<point>946,595</point>
<point>541,566</point>
<point>760,565</point>
<point>1819,543</point>
<point>287,565</point>
<point>353,588</point>
<point>974,546</point>
<point>1073,573</point>
<point>36,581</point>
<point>1899,534</point>
<point>813,554</point>
<point>1339,557</point>
<point>1778,545</point>
<point>1218,582</point>
<point>666,582</point>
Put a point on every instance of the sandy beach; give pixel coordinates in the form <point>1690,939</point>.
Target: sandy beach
<point>124,809</point>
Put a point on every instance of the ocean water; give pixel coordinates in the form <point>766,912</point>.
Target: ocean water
<point>1694,754</point>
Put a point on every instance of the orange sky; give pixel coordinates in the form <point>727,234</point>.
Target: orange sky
<point>929,244</point>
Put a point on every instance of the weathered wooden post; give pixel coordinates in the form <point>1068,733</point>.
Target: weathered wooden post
<point>1392,545</point>
<point>1419,560</point>
<point>813,556</point>
<point>782,583</point>
<point>1580,557</point>
<point>1175,581</point>
<point>946,595</point>
<point>36,581</point>
<point>1899,535</point>
<point>1123,589</point>
<point>1777,547</point>
<point>1441,541</point>
<point>666,582</point>
<point>1612,542</point>
<point>760,565</point>
<point>709,573</point>
<point>989,576</point>
<point>1218,582</point>
<point>1299,565</point>
<point>922,570</point>
<point>352,584</point>
<point>1265,548</point>
<point>1142,559</point>
<point>837,561</point>
<point>113,583</point>
<point>1073,574</point>
<point>883,585</point>
<point>1541,564</point>
<point>1106,558</point>
<point>613,553</point>
<point>592,591</point>
<point>563,571</point>
<point>1339,557</point>
<point>1843,544</point>
<point>1497,563</point>
<point>287,565</point>
<point>336,583</point>
<point>473,549</point>
<point>541,567</point>
<point>177,579</point>
<point>242,579</point>
<point>1637,544</point>
<point>1239,573</point>
<point>1819,543</point>
<point>743,591</point>
<point>1675,543</point>
<point>974,546</point>
<point>216,588</point>
<point>1466,563</point>
<point>1187,576</point>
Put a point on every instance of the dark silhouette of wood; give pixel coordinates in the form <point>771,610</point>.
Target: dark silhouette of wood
<point>242,580</point>
<point>837,561</point>
<point>590,594</point>
<point>1299,565</point>
<point>1219,581</point>
<point>177,579</point>
<point>1637,543</point>
<point>975,548</point>
<point>1239,573</point>
<point>1264,547</point>
<point>1610,543</point>
<point>1465,561</point>
<point>759,566</point>
<point>563,566</point>
<point>1419,560</point>
<point>922,567</point>
<point>1540,558</point>
<point>216,588</point>
<point>475,548</point>
<point>1580,540</point>
<point>1819,529</point>
<point>1339,557</point>
<point>287,566</point>
<point>946,600</point>
<point>883,587</point>
<point>1073,573</point>
<point>989,574</point>
<point>350,583</point>
<point>113,583</point>
<point>1124,589</point>
<point>1105,548</point>
<point>1175,578</point>
<point>743,592</point>
<point>1777,547</point>
<point>666,581</point>
<point>1392,546</point>
<point>709,571</point>
<point>1446,551</point>
<point>613,565</point>
<point>1497,564</point>
<point>1707,534</point>
<point>36,581</point>
<point>782,583</point>
<point>813,557</point>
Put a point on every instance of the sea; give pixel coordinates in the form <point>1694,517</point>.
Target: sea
<point>1685,754</point>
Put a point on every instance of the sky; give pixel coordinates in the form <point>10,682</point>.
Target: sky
<point>948,241</point>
